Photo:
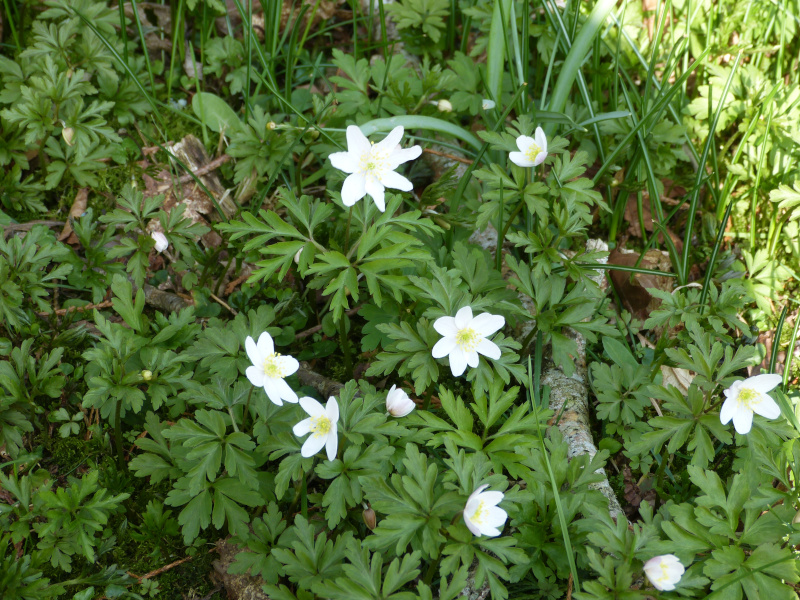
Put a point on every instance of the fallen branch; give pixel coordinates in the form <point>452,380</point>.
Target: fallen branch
<point>161,570</point>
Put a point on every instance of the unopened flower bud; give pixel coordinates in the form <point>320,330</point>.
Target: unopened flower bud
<point>68,133</point>
<point>370,519</point>
<point>444,106</point>
<point>487,104</point>
<point>147,375</point>
<point>297,257</point>
<point>271,125</point>
<point>796,519</point>
<point>161,241</point>
<point>398,404</point>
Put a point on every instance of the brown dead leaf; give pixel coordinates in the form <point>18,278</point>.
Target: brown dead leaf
<point>632,290</point>
<point>637,492</point>
<point>677,377</point>
<point>78,208</point>
<point>635,227</point>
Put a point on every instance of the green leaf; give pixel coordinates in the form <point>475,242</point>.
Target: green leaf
<point>215,112</point>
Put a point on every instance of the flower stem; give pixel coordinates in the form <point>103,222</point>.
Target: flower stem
<point>246,412</point>
<point>118,434</point>
<point>347,230</point>
<point>348,361</point>
<point>434,566</point>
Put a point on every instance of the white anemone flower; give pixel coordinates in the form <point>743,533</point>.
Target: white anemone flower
<point>664,572</point>
<point>482,515</point>
<point>749,396</point>
<point>269,369</point>
<point>398,404</point>
<point>371,167</point>
<point>321,424</point>
<point>161,241</point>
<point>533,150</point>
<point>465,338</point>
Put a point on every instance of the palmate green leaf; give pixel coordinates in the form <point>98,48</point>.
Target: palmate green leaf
<point>363,578</point>
<point>415,504</point>
<point>687,419</point>
<point>763,574</point>
<point>408,353</point>
<point>308,556</point>
<point>258,559</point>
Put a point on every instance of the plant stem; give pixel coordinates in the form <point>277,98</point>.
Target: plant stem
<point>347,230</point>
<point>348,361</point>
<point>118,434</point>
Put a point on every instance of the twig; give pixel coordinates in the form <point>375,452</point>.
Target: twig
<point>28,226</point>
<point>161,570</point>
<point>466,161</point>
<point>569,588</point>
<point>204,170</point>
<point>63,311</point>
<point>317,328</point>
<point>233,311</point>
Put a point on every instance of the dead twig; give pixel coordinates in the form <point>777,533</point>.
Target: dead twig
<point>466,161</point>
<point>317,328</point>
<point>233,311</point>
<point>63,311</point>
<point>161,570</point>
<point>204,170</point>
<point>12,227</point>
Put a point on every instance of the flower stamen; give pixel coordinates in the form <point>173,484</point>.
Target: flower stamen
<point>532,152</point>
<point>320,426</point>
<point>273,367</point>
<point>468,339</point>
<point>747,397</point>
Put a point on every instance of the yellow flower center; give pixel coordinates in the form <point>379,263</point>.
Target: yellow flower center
<point>664,574</point>
<point>468,339</point>
<point>532,152</point>
<point>747,397</point>
<point>480,514</point>
<point>373,162</point>
<point>320,426</point>
<point>273,367</point>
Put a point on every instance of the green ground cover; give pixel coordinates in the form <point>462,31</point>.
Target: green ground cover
<point>213,211</point>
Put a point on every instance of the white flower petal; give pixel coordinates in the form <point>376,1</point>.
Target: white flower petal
<point>763,383</point>
<point>489,349</point>
<point>493,498</point>
<point>344,161</point>
<point>496,516</point>
<point>273,389</point>
<point>540,139</point>
<point>375,189</point>
<point>312,407</point>
<point>287,394</point>
<point>443,347</point>
<point>312,445</point>
<point>396,181</point>
<point>332,410</point>
<point>458,362</point>
<point>486,324</point>
<point>472,358</point>
<point>767,408</point>
<point>255,375</point>
<point>471,526</point>
<point>539,159</point>
<point>743,421</point>
<point>389,143</point>
<point>524,142</point>
<point>302,428</point>
<point>265,345</point>
<point>445,326</point>
<point>403,155</point>
<point>252,351</point>
<point>464,317</point>
<point>519,159</point>
<point>353,189</point>
<point>357,142</point>
<point>728,410</point>
<point>332,443</point>
<point>288,364</point>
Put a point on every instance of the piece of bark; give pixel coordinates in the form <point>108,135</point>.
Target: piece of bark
<point>237,587</point>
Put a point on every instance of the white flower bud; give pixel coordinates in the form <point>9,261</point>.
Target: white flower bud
<point>68,134</point>
<point>147,375</point>
<point>161,241</point>
<point>398,404</point>
<point>444,106</point>
<point>487,104</point>
<point>297,256</point>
